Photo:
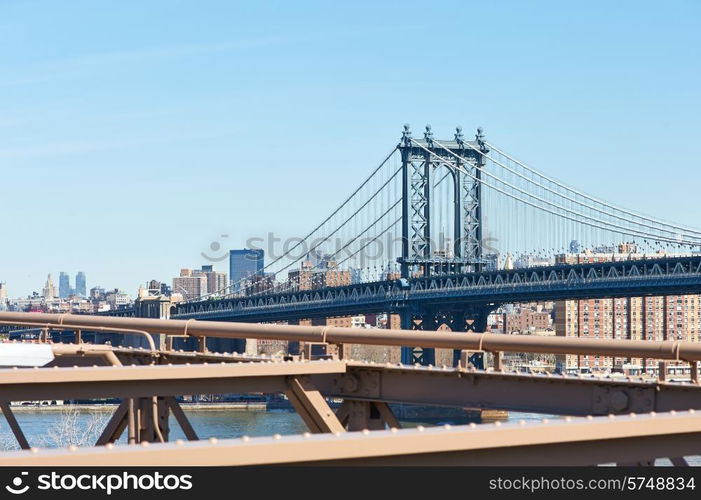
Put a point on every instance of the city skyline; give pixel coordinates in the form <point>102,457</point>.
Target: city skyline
<point>129,108</point>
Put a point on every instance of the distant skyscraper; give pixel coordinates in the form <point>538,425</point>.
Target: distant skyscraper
<point>243,264</point>
<point>3,296</point>
<point>49,291</point>
<point>215,281</point>
<point>80,288</point>
<point>64,285</point>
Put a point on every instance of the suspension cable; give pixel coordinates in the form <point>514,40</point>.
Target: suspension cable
<point>544,200</point>
<point>573,200</point>
<point>634,231</point>
<point>630,232</point>
<point>590,198</point>
<point>294,247</point>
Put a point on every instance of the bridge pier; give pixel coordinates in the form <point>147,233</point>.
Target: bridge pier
<point>472,319</point>
<point>412,319</point>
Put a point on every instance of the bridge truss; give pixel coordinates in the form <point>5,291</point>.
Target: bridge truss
<point>625,420</point>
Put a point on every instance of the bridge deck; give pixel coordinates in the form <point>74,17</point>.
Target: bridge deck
<point>571,441</point>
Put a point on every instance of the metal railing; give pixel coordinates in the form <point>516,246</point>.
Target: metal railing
<point>489,342</point>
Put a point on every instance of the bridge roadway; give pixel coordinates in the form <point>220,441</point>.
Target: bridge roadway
<point>486,290</point>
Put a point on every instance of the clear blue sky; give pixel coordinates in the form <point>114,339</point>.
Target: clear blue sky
<point>133,134</point>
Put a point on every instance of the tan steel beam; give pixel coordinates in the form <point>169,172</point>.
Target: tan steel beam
<point>116,425</point>
<point>131,421</point>
<point>356,415</point>
<point>672,350</point>
<point>387,415</point>
<point>82,355</point>
<point>14,425</point>
<point>565,395</point>
<point>364,415</point>
<point>152,416</point>
<point>364,381</point>
<point>561,442</point>
<point>91,351</point>
<point>161,380</point>
<point>176,357</point>
<point>343,412</point>
<point>61,324</point>
<point>311,406</point>
<point>182,419</point>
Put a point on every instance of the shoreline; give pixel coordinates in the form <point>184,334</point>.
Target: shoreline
<point>111,407</point>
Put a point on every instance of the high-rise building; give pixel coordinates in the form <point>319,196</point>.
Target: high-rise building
<point>243,264</point>
<point>64,285</point>
<point>331,275</point>
<point>301,279</point>
<point>80,286</point>
<point>672,317</point>
<point>3,296</point>
<point>190,285</point>
<point>325,273</point>
<point>216,281</point>
<point>49,291</point>
<point>260,283</point>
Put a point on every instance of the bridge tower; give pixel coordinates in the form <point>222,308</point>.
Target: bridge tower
<point>421,158</point>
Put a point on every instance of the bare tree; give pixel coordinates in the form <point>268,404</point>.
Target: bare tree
<point>8,441</point>
<point>74,429</point>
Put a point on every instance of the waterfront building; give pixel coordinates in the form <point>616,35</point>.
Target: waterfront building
<point>33,303</point>
<point>672,317</point>
<point>527,320</point>
<point>117,299</point>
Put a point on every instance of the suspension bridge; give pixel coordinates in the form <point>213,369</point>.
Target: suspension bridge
<point>442,232</point>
